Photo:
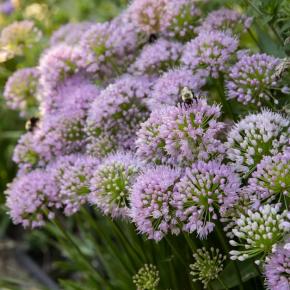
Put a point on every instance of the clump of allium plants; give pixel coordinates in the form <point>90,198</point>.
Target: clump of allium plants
<point>158,152</point>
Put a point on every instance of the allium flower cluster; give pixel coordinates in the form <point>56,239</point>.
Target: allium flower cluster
<point>72,174</point>
<point>225,20</point>
<point>210,50</point>
<point>70,33</point>
<point>258,230</point>
<point>21,91</point>
<point>270,182</point>
<point>152,207</point>
<point>36,149</point>
<point>150,16</point>
<point>116,115</point>
<point>277,268</point>
<point>56,65</point>
<point>31,199</point>
<point>108,48</point>
<point>167,89</point>
<point>65,131</point>
<point>181,134</point>
<point>184,16</point>
<point>205,191</point>
<point>147,278</point>
<point>18,36</point>
<point>75,93</point>
<point>112,182</point>
<point>157,57</point>
<point>255,136</point>
<point>207,266</point>
<point>252,78</point>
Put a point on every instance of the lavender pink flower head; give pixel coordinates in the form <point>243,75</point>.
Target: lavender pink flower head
<point>65,131</point>
<point>277,267</point>
<point>21,91</point>
<point>204,193</point>
<point>32,198</point>
<point>181,134</point>
<point>112,181</point>
<point>157,57</point>
<point>252,78</point>
<point>184,16</point>
<point>151,202</point>
<point>117,113</point>
<point>256,136</point>
<point>76,92</point>
<point>72,175</point>
<point>57,64</point>
<point>225,20</point>
<point>108,48</point>
<point>70,33</point>
<point>270,182</point>
<point>211,50</point>
<point>167,89</point>
<point>19,36</point>
<point>35,149</point>
<point>150,16</point>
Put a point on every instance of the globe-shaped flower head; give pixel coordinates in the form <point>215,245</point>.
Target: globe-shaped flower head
<point>70,33</point>
<point>150,16</point>
<point>36,148</point>
<point>167,89</point>
<point>157,57</point>
<point>205,192</point>
<point>252,78</point>
<point>225,20</point>
<point>211,50</point>
<point>184,16</point>
<point>116,115</point>
<point>18,36</point>
<point>257,231</point>
<point>31,199</point>
<point>181,134</point>
<point>66,130</point>
<point>57,65</point>
<point>151,202</point>
<point>108,48</point>
<point>147,278</point>
<point>21,91</point>
<point>277,267</point>
<point>75,93</point>
<point>207,265</point>
<point>271,182</point>
<point>112,181</point>
<point>72,175</point>
<point>256,136</point>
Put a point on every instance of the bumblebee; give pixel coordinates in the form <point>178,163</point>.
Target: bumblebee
<point>152,38</point>
<point>187,96</point>
<point>31,124</point>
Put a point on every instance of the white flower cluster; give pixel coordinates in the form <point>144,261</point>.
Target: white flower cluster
<point>207,265</point>
<point>258,231</point>
<point>256,136</point>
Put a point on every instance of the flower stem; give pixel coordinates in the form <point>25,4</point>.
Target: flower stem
<point>225,245</point>
<point>87,264</point>
<point>221,92</point>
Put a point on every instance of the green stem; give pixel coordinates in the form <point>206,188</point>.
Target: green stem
<point>272,27</point>
<point>255,39</point>
<point>221,92</point>
<point>175,251</point>
<point>88,265</point>
<point>226,247</point>
<point>222,283</point>
<point>190,242</point>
